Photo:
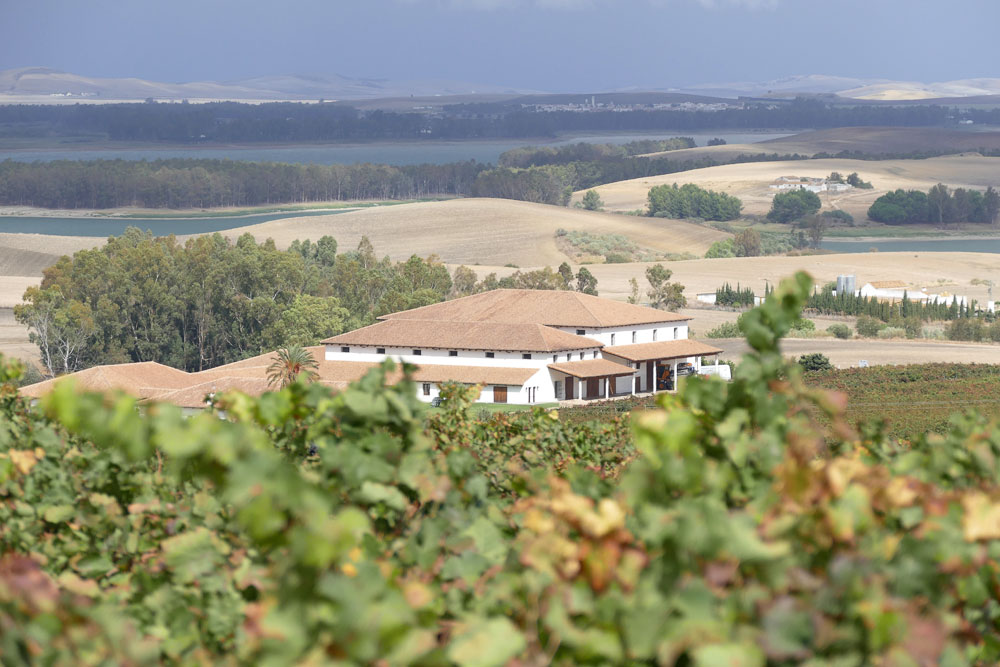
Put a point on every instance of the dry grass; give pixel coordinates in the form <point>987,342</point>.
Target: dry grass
<point>482,231</point>
<point>847,353</point>
<point>948,271</point>
<point>750,181</point>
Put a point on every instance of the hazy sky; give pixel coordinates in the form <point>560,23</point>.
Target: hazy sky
<point>555,45</point>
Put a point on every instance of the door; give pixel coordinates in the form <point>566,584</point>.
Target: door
<point>570,384</point>
<point>638,385</point>
<point>499,394</point>
<point>649,377</point>
<point>593,387</point>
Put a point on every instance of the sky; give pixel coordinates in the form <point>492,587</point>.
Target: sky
<point>545,45</point>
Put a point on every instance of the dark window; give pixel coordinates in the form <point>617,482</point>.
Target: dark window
<point>427,389</point>
<point>595,354</point>
<point>489,355</point>
<point>555,358</point>
<point>581,332</point>
<point>452,353</point>
<point>633,336</point>
<point>654,334</point>
<point>416,353</point>
<point>345,349</point>
<point>526,356</point>
<point>380,350</point>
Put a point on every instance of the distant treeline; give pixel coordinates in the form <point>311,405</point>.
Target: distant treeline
<point>195,183</point>
<point>533,156</point>
<point>298,122</point>
<point>939,206</point>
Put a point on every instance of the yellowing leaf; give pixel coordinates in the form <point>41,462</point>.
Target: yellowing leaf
<point>982,517</point>
<point>24,460</point>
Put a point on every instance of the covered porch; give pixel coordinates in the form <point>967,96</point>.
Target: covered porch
<point>593,379</point>
<point>660,365</point>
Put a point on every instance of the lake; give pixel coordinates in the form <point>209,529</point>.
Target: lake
<point>440,152</point>
<point>159,226</point>
<point>957,245</point>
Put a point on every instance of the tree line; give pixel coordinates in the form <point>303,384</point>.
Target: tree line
<point>828,302</point>
<point>534,156</point>
<point>938,206</point>
<point>302,122</point>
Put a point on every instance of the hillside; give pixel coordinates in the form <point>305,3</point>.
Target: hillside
<point>750,181</point>
<point>482,231</point>
<point>870,140</point>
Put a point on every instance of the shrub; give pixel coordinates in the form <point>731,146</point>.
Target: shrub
<point>994,331</point>
<point>690,201</point>
<point>592,201</point>
<point>815,362</point>
<point>841,331</point>
<point>839,216</point>
<point>794,205</point>
<point>892,332</point>
<point>723,248</point>
<point>725,330</point>
<point>966,328</point>
<point>868,327</point>
<point>804,326</point>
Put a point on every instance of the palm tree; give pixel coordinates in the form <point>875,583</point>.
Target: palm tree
<point>289,364</point>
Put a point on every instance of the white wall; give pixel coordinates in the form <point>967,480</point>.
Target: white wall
<point>643,333</point>
<point>441,357</point>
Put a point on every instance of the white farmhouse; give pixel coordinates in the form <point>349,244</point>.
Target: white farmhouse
<point>532,346</point>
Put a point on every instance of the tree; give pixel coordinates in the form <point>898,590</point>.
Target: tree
<point>855,181</point>
<point>463,281</point>
<point>991,204</point>
<point>586,282</point>
<point>795,205</point>
<point>592,201</point>
<point>566,271</point>
<point>308,320</point>
<point>633,296</point>
<point>815,362</point>
<point>60,327</point>
<point>747,243</point>
<point>663,294</point>
<point>291,364</point>
<point>868,327</point>
<point>939,203</point>
<point>817,229</point>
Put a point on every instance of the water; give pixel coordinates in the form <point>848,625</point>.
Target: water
<point>957,245</point>
<point>103,227</point>
<point>398,154</point>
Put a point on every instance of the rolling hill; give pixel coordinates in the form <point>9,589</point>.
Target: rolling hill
<point>482,231</point>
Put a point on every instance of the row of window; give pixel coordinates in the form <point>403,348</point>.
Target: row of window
<point>454,353</point>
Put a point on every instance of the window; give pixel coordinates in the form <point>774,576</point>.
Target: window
<point>555,358</point>
<point>526,355</point>
<point>416,353</point>
<point>595,354</point>
<point>675,333</point>
<point>558,386</point>
<point>612,339</point>
<point>452,353</point>
<point>427,389</point>
<point>581,356</point>
<point>489,355</point>
<point>654,334</point>
<point>633,337</point>
<point>581,332</point>
<point>380,350</point>
<point>345,349</point>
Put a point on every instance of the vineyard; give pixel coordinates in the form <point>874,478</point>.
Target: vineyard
<point>914,400</point>
<point>739,524</point>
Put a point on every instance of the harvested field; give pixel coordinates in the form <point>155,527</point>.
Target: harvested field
<point>847,353</point>
<point>14,338</point>
<point>482,231</point>
<point>750,181</point>
<point>942,271</point>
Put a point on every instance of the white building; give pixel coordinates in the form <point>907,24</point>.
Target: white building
<point>532,346</point>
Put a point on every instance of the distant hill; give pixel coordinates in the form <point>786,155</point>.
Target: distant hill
<point>854,88</point>
<point>44,85</point>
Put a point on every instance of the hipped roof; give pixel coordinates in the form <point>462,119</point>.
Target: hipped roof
<point>143,379</point>
<point>666,349</point>
<point>557,308</point>
<point>448,335</point>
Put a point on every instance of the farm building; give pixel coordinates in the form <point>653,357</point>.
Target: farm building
<point>520,346</point>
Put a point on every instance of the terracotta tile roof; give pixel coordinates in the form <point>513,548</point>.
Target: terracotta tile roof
<point>473,374</point>
<point>558,308</point>
<point>887,284</point>
<point>665,349</point>
<point>141,380</point>
<point>467,335</point>
<point>592,368</point>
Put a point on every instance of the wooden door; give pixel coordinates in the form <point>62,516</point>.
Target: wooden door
<point>499,394</point>
<point>593,387</point>
<point>638,385</point>
<point>570,384</point>
<point>649,377</point>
